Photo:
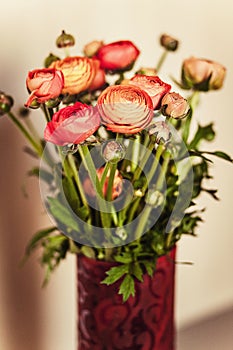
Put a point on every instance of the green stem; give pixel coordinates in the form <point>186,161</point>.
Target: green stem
<point>162,173</point>
<point>143,161</point>
<point>77,180</point>
<point>37,147</point>
<point>161,60</point>
<point>143,221</point>
<point>193,101</point>
<point>90,167</point>
<point>46,112</point>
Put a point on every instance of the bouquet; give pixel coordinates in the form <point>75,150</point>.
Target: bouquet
<point>121,164</point>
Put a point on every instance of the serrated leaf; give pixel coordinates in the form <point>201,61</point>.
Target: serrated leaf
<point>127,287</point>
<point>115,273</point>
<point>150,267</point>
<point>62,214</point>
<point>137,271</point>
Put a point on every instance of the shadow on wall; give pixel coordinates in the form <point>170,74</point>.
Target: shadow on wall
<point>19,292</point>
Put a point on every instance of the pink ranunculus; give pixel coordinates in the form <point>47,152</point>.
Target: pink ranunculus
<point>153,85</point>
<point>125,108</point>
<point>78,72</point>
<point>44,84</point>
<point>72,124</point>
<point>118,56</point>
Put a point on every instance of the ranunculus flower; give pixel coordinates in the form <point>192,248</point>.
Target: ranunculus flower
<point>153,85</point>
<point>91,48</point>
<point>116,188</point>
<point>202,74</point>
<point>78,72</point>
<point>118,56</point>
<point>168,42</point>
<point>72,124</point>
<point>99,80</point>
<point>175,106</point>
<point>44,84</point>
<point>125,108</point>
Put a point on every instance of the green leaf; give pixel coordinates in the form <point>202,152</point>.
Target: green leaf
<point>62,214</point>
<point>37,238</point>
<point>88,251</point>
<point>150,266</point>
<point>115,273</point>
<point>220,154</point>
<point>206,133</point>
<point>43,174</point>
<point>199,154</point>
<point>137,271</point>
<point>127,287</point>
<point>124,258</point>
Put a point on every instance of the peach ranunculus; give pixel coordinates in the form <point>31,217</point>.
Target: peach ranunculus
<point>92,48</point>
<point>125,108</point>
<point>78,72</point>
<point>202,74</point>
<point>153,85</point>
<point>44,84</point>
<point>118,56</point>
<point>72,124</point>
<point>116,187</point>
<point>175,106</point>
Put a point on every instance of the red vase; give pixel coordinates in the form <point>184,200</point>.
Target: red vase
<point>143,322</point>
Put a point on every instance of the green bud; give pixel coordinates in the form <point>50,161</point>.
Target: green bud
<point>65,40</point>
<point>6,102</point>
<point>50,59</point>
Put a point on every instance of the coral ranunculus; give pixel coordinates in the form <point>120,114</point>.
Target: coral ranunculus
<point>44,84</point>
<point>99,80</point>
<point>118,56</point>
<point>116,187</point>
<point>125,108</point>
<point>153,85</point>
<point>78,72</point>
<point>72,124</point>
<point>202,74</point>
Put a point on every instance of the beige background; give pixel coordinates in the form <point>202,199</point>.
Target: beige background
<point>31,318</point>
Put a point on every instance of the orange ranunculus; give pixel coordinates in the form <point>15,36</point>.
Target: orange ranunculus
<point>78,72</point>
<point>44,84</point>
<point>202,74</point>
<point>125,108</point>
<point>116,188</point>
<point>72,124</point>
<point>118,56</point>
<point>153,85</point>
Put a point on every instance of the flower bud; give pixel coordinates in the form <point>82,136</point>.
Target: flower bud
<point>50,59</point>
<point>154,198</point>
<point>6,102</point>
<point>113,151</point>
<point>168,42</point>
<point>147,71</point>
<point>160,131</point>
<point>65,40</point>
<point>175,106</point>
<point>92,48</point>
<point>202,75</point>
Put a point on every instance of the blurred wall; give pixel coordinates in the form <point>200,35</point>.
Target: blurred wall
<point>32,318</point>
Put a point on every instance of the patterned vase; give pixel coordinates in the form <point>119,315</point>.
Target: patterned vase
<point>143,322</point>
